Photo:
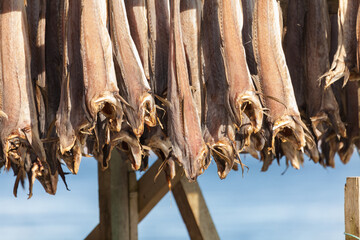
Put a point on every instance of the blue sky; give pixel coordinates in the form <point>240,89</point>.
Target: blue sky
<point>302,204</point>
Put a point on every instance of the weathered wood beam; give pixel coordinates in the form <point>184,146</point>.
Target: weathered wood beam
<point>352,207</point>
<point>133,205</point>
<point>95,234</point>
<point>113,200</point>
<point>150,192</point>
<point>194,211</point>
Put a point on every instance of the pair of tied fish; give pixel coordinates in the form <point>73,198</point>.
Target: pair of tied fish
<point>40,124</point>
<point>105,98</point>
<point>345,67</point>
<point>208,97</point>
<point>312,39</point>
<point>231,103</point>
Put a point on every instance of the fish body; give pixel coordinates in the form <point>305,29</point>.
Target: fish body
<point>133,85</point>
<point>184,127</point>
<point>219,132</point>
<point>344,62</point>
<point>275,82</point>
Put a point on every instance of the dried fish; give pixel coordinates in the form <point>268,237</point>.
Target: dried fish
<point>278,94</point>
<point>190,13</point>
<point>294,48</point>
<point>73,119</point>
<point>101,91</point>
<point>134,88</point>
<point>344,62</point>
<point>243,98</point>
<point>159,25</point>
<point>23,150</point>
<point>137,15</point>
<point>184,128</point>
<point>248,10</point>
<point>219,133</point>
<point>36,13</point>
<point>321,105</point>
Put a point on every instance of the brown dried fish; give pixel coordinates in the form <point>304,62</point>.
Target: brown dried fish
<point>20,139</point>
<point>348,143</point>
<point>73,119</point>
<point>344,62</point>
<point>321,105</point>
<point>36,13</point>
<point>157,138</point>
<point>294,48</point>
<point>134,88</point>
<point>184,128</point>
<point>243,98</point>
<point>219,133</point>
<point>101,91</point>
<point>159,24</point>
<point>137,15</point>
<point>190,13</point>
<point>248,10</point>
<point>284,118</point>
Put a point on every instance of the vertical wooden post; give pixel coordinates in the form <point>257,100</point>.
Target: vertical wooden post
<point>194,211</point>
<point>133,204</point>
<point>352,207</point>
<point>114,199</point>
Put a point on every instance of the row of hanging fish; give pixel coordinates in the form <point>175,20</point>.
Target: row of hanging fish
<point>190,80</point>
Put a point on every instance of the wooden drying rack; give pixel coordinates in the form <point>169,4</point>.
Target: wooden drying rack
<point>125,201</point>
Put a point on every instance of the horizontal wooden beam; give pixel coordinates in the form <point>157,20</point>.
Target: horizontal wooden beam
<point>194,211</point>
<point>150,192</point>
<point>95,234</point>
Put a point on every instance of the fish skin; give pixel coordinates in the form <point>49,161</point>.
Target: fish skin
<point>184,127</point>
<point>73,119</point>
<point>248,10</point>
<point>349,142</point>
<point>137,15</point>
<point>190,14</point>
<point>321,105</point>
<point>133,85</point>
<point>101,90</point>
<point>344,62</point>
<point>53,67</point>
<point>243,98</point>
<point>294,48</point>
<point>21,144</point>
<point>219,132</point>
<point>159,27</point>
<point>36,13</point>
<point>276,87</point>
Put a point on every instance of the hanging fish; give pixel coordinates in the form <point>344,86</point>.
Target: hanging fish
<point>344,63</point>
<point>23,151</point>
<point>73,119</point>
<point>184,127</point>
<point>242,95</point>
<point>101,90</point>
<point>133,85</point>
<point>275,82</point>
<point>248,11</point>
<point>219,133</point>
<point>138,22</point>
<point>294,48</point>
